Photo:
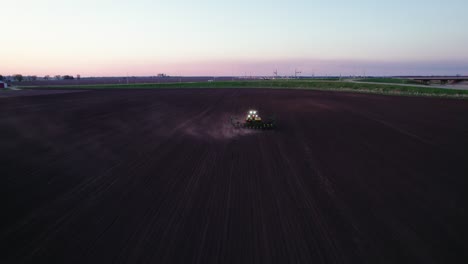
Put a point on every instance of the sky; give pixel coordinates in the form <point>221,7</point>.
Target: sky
<point>233,38</point>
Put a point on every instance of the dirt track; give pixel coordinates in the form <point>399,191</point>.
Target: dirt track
<point>158,176</point>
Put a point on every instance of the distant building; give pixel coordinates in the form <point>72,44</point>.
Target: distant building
<point>162,75</point>
<point>3,85</point>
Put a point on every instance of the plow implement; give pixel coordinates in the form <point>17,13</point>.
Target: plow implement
<point>254,121</point>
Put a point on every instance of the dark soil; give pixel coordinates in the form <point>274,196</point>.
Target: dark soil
<point>160,176</point>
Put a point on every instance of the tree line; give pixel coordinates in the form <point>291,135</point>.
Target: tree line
<point>20,77</point>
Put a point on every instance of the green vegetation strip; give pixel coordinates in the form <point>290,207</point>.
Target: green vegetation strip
<point>283,84</point>
<point>389,80</point>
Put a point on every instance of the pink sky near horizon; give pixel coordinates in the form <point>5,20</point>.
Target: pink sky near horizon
<point>241,68</point>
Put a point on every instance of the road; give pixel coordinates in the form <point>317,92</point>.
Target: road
<point>159,176</point>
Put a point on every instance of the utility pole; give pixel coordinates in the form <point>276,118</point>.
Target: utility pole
<point>296,72</point>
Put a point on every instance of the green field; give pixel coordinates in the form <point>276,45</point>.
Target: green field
<point>284,84</point>
<point>389,80</point>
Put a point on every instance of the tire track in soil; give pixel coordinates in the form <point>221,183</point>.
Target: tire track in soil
<point>82,191</point>
<point>332,185</point>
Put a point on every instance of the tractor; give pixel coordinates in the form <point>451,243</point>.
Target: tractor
<point>254,121</point>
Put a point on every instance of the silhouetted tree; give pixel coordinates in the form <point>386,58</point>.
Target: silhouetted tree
<point>2,78</point>
<point>68,77</point>
<point>47,77</point>
<point>33,78</point>
<point>58,77</point>
<point>18,77</point>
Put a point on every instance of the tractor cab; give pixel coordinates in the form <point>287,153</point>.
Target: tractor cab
<point>253,116</point>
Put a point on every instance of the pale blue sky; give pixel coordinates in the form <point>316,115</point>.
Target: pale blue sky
<point>207,37</point>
